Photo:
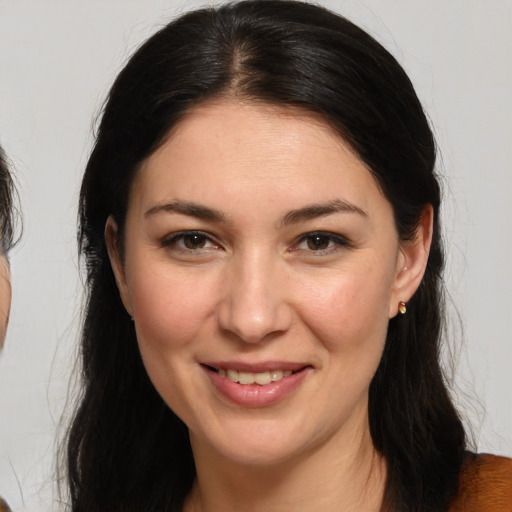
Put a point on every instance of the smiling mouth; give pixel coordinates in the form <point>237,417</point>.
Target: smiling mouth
<point>248,378</point>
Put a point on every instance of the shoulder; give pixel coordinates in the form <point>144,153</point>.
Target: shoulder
<point>485,484</point>
<point>3,506</point>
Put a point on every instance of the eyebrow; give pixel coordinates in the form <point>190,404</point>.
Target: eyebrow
<point>320,210</point>
<point>306,213</point>
<point>187,208</point>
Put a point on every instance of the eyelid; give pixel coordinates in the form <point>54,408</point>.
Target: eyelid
<point>173,238</point>
<point>340,241</point>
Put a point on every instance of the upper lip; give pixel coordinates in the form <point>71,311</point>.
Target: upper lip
<point>259,367</point>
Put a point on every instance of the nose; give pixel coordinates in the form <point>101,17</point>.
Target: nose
<point>254,305</point>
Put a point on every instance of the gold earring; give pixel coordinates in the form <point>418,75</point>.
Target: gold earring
<point>402,307</point>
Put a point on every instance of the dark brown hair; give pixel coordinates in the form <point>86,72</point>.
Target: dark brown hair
<point>127,451</point>
<point>8,214</point>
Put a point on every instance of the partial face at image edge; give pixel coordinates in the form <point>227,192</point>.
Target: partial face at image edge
<point>5,296</point>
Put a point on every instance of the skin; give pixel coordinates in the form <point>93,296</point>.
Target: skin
<point>5,297</point>
<point>258,289</point>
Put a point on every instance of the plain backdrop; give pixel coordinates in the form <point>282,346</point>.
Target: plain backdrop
<point>57,61</point>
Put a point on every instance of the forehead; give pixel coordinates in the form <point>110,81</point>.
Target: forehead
<point>239,149</point>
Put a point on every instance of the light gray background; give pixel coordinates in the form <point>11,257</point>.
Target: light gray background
<point>57,60</point>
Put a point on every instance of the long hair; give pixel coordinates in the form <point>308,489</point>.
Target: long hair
<point>126,450</point>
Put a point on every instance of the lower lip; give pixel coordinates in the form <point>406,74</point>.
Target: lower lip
<point>254,395</point>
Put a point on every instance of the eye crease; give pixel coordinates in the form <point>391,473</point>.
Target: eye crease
<point>321,242</point>
<point>188,240</point>
<point>315,242</point>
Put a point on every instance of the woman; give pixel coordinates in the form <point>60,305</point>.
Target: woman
<point>259,223</point>
<point>6,243</point>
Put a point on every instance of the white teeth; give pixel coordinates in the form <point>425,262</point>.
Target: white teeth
<point>245,378</point>
<point>262,378</point>
<point>276,375</point>
<point>233,375</point>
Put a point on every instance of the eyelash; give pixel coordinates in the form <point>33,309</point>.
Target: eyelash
<point>337,241</point>
<point>175,238</point>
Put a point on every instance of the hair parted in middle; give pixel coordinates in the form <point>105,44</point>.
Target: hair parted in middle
<point>126,449</point>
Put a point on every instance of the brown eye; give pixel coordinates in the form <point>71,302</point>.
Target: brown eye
<point>194,241</point>
<point>321,243</point>
<point>318,242</point>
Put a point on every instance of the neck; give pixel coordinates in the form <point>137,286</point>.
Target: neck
<point>345,477</point>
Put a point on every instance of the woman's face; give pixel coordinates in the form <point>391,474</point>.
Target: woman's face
<point>261,267</point>
<point>5,296</point>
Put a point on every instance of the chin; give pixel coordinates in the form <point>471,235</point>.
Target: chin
<point>255,443</point>
<point>258,454</point>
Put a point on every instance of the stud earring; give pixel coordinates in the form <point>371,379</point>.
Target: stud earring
<point>402,307</point>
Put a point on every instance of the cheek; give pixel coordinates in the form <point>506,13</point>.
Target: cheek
<point>348,312</point>
<point>170,308</point>
<point>5,298</point>
<point>172,313</point>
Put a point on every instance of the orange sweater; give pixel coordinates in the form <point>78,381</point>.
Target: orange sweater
<point>485,485</point>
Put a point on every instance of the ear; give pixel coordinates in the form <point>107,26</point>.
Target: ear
<point>117,263</point>
<point>412,261</point>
